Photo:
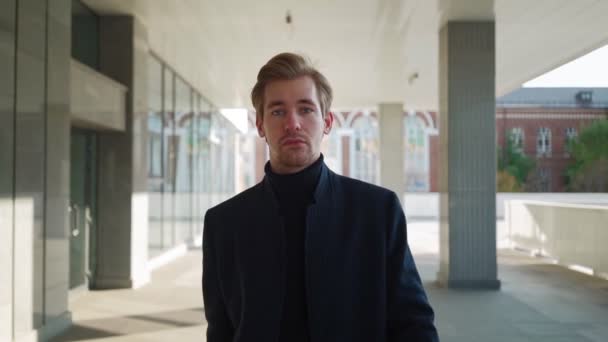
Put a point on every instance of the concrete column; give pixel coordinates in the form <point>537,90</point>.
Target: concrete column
<point>34,144</point>
<point>122,194</point>
<point>57,249</point>
<point>467,179</point>
<point>346,141</point>
<point>29,167</point>
<point>391,147</point>
<point>7,153</point>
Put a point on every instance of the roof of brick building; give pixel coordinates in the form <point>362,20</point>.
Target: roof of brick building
<point>555,97</point>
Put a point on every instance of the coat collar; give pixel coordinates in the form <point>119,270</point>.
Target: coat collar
<point>320,195</point>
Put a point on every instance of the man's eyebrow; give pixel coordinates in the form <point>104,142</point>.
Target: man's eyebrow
<point>275,103</point>
<point>307,101</point>
<point>300,101</point>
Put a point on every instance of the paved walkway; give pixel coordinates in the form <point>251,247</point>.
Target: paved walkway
<point>169,308</point>
<point>538,301</point>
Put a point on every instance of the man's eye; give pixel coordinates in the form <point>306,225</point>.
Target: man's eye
<point>307,110</point>
<point>277,112</point>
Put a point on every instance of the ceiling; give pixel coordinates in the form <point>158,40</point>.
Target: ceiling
<point>368,49</point>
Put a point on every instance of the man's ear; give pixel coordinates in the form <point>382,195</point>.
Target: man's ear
<point>259,123</point>
<point>328,120</point>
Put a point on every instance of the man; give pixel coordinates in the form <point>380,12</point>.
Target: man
<point>308,255</point>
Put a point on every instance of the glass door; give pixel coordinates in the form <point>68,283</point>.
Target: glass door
<point>83,181</point>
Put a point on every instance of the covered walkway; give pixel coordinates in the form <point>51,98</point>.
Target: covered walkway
<point>538,301</point>
<point>113,144</point>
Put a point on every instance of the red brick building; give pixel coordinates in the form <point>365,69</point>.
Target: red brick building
<point>541,121</point>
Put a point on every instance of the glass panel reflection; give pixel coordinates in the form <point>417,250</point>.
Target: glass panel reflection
<point>183,161</point>
<point>155,157</point>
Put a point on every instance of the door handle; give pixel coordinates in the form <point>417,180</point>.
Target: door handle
<point>76,220</point>
<point>88,221</point>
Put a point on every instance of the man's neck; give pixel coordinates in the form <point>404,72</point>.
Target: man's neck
<point>295,190</point>
<point>280,169</point>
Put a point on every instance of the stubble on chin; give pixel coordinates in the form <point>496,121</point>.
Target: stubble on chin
<point>293,160</point>
<point>296,158</point>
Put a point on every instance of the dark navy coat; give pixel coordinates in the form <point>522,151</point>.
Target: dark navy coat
<point>361,280</point>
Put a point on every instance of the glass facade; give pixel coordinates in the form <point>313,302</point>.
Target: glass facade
<point>191,159</point>
<point>168,99</point>
<point>246,159</point>
<point>156,163</point>
<point>366,156</point>
<point>202,161</point>
<point>85,35</point>
<point>182,160</point>
<point>223,138</point>
<point>331,147</point>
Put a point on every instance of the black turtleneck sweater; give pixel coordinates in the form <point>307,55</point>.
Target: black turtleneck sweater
<point>294,194</point>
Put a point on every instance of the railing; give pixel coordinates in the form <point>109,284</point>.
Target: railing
<point>572,234</point>
<point>421,205</point>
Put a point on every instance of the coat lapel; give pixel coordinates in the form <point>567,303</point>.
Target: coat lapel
<point>272,224</point>
<point>263,263</point>
<point>319,221</point>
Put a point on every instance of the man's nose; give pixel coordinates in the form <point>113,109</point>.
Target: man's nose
<point>292,121</point>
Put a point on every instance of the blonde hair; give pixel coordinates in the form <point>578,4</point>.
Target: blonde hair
<point>289,66</point>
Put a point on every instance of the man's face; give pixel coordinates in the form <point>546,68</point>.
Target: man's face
<point>293,124</point>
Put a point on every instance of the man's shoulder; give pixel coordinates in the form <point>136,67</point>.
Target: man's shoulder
<point>241,200</point>
<point>224,219</point>
<point>361,188</point>
<point>364,199</point>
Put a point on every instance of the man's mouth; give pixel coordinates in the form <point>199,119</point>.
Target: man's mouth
<point>293,141</point>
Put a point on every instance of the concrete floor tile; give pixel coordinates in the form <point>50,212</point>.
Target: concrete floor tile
<point>538,301</point>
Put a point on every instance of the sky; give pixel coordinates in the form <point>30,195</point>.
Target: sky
<point>590,70</point>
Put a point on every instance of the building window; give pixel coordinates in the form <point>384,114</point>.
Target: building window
<point>517,139</point>
<point>416,155</point>
<point>85,35</point>
<point>569,136</point>
<point>366,139</point>
<point>544,180</point>
<point>584,98</point>
<point>331,147</point>
<point>543,142</point>
<point>155,141</point>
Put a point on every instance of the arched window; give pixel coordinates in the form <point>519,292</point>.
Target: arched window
<point>543,142</point>
<point>416,157</point>
<point>517,138</point>
<point>331,147</point>
<point>365,158</point>
<point>570,136</point>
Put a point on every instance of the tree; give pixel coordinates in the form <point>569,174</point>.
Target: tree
<point>589,171</point>
<point>513,168</point>
<point>505,182</point>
